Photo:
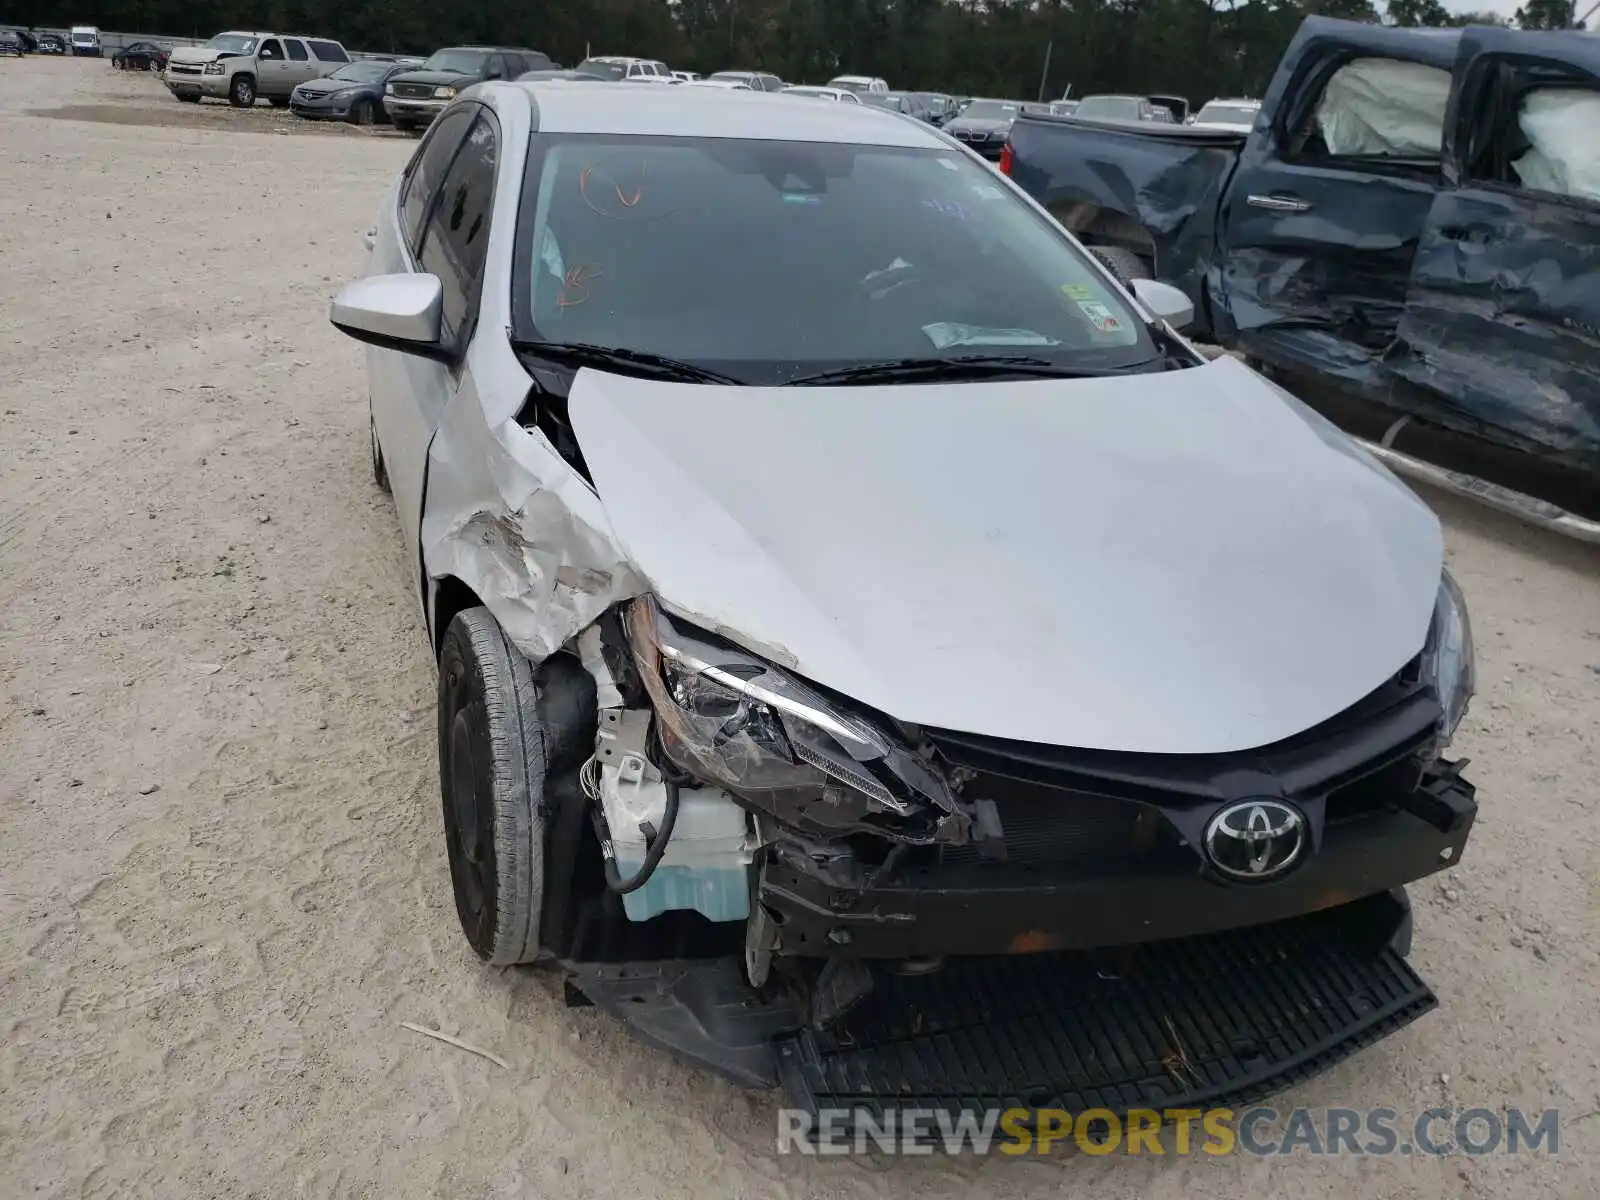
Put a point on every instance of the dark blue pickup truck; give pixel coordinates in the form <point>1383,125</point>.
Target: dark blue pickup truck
<point>1414,221</point>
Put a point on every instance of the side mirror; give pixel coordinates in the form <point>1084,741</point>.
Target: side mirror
<point>1165,301</point>
<point>395,312</point>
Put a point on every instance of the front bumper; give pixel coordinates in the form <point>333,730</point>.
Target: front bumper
<point>995,908</point>
<point>179,84</point>
<point>989,147</point>
<point>321,108</point>
<point>418,112</point>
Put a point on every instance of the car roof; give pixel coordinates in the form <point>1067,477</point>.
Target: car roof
<point>712,113</point>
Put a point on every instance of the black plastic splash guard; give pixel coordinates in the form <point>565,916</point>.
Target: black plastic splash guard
<point>1218,1021</point>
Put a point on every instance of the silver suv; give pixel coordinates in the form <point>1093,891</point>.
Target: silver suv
<point>239,67</point>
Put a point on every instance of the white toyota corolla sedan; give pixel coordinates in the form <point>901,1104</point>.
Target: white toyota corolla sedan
<point>851,600</point>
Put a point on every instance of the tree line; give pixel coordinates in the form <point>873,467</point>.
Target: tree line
<point>1016,48</point>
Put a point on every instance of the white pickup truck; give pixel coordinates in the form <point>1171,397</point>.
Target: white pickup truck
<point>239,67</point>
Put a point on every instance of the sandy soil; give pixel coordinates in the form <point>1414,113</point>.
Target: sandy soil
<point>222,876</point>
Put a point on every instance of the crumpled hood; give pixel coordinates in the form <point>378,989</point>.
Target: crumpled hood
<point>196,55</point>
<point>1181,562</point>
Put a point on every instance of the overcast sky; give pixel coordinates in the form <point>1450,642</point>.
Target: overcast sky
<point>1504,7</point>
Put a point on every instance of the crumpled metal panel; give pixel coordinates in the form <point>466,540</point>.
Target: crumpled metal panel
<point>513,521</point>
<point>1503,319</point>
<point>1168,182</point>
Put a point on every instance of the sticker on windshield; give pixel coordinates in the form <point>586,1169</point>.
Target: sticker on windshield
<point>987,190</point>
<point>1079,291</point>
<point>1101,317</point>
<point>945,334</point>
<point>948,164</point>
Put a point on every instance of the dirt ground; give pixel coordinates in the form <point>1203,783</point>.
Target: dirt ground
<point>222,874</point>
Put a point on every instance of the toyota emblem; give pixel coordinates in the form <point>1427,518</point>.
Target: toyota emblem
<point>1255,840</point>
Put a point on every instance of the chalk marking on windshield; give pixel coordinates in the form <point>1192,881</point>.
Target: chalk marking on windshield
<point>627,202</point>
<point>577,281</point>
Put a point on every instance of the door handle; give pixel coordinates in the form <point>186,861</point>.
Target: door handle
<point>1277,203</point>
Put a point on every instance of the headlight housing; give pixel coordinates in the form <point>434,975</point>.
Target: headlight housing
<point>215,68</point>
<point>388,89</point>
<point>444,93</point>
<point>1449,662</point>
<point>737,721</point>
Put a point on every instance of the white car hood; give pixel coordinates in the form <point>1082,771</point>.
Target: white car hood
<point>194,55</point>
<point>1182,562</point>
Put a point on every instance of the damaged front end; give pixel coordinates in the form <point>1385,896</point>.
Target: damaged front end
<point>892,908</point>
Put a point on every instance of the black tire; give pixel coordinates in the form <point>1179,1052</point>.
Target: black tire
<point>403,125</point>
<point>242,91</point>
<point>364,112</point>
<point>1124,264</point>
<point>506,731</point>
<point>380,470</point>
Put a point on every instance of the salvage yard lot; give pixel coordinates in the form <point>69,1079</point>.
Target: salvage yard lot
<point>222,875</point>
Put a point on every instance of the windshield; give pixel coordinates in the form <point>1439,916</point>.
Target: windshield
<point>884,100</point>
<point>850,85</point>
<point>455,62</point>
<point>731,76</point>
<point>767,260</point>
<point>230,43</point>
<point>1227,114</point>
<point>990,110</point>
<point>362,72</point>
<point>606,70</point>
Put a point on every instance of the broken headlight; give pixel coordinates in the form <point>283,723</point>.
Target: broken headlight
<point>1448,660</point>
<point>739,722</point>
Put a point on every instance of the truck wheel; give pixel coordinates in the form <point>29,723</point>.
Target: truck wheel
<point>404,124</point>
<point>242,93</point>
<point>506,731</point>
<point>1124,264</point>
<point>380,470</point>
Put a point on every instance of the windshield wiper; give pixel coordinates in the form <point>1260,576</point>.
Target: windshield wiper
<point>965,366</point>
<point>624,362</point>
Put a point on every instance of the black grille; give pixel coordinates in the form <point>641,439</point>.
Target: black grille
<point>414,91</point>
<point>1226,1019</point>
<point>1046,825</point>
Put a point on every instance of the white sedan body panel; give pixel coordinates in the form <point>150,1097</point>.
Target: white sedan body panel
<point>1172,563</point>
<point>1183,562</point>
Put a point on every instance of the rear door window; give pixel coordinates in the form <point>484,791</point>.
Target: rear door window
<point>329,51</point>
<point>296,49</point>
<point>1560,127</point>
<point>457,239</point>
<point>428,170</point>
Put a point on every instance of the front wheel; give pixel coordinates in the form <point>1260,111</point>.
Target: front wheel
<point>1124,264</point>
<point>364,112</point>
<point>506,731</point>
<point>242,92</point>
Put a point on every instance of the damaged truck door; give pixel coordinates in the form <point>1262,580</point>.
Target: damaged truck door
<point>1322,216</point>
<point>1503,311</point>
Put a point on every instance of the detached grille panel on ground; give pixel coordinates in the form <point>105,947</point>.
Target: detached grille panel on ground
<point>1223,1020</point>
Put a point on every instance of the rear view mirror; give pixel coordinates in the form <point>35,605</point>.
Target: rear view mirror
<point>396,312</point>
<point>1165,301</point>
